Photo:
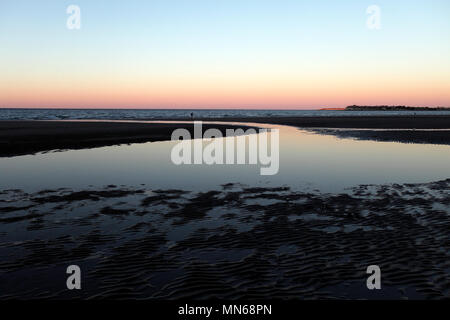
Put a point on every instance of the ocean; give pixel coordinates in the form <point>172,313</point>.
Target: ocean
<point>158,114</point>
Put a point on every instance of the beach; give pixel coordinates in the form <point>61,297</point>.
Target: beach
<point>408,129</point>
<point>27,137</point>
<point>370,122</point>
<point>120,214</point>
<point>231,243</point>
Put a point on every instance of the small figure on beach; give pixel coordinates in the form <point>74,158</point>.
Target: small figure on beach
<point>192,115</point>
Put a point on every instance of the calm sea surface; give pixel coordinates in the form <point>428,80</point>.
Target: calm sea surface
<point>127,114</point>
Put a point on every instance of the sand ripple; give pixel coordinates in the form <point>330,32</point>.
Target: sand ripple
<point>233,243</point>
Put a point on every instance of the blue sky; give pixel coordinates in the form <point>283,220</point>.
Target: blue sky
<point>225,52</point>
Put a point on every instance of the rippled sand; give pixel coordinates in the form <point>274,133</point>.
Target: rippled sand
<point>233,243</point>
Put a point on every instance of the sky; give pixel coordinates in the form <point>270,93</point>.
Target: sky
<point>262,54</point>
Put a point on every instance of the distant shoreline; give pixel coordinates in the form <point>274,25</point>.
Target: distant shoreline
<point>393,108</point>
<point>386,108</point>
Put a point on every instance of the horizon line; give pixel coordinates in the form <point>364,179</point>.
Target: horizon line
<point>324,108</point>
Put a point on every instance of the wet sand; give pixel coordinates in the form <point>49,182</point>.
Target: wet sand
<point>387,135</point>
<point>369,122</point>
<point>417,129</point>
<point>28,137</point>
<point>236,242</point>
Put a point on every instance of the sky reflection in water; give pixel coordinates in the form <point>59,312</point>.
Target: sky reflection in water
<point>307,161</point>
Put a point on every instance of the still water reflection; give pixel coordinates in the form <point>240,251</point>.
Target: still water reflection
<point>307,161</point>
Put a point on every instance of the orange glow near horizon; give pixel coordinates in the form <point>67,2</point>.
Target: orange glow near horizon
<point>270,55</point>
<point>271,92</point>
